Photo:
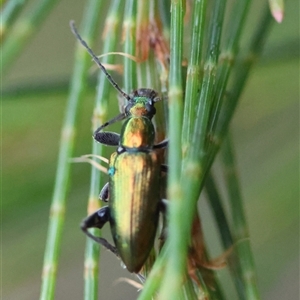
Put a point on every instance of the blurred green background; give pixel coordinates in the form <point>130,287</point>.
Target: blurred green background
<point>266,135</point>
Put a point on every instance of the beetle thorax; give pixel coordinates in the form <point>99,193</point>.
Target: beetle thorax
<point>137,134</point>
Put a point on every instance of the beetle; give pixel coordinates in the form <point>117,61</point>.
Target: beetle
<point>133,190</point>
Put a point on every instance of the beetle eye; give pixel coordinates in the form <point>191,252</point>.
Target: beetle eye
<point>127,109</point>
<point>150,108</point>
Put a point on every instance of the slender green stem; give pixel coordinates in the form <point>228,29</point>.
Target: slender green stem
<point>144,10</point>
<point>159,120</point>
<point>214,200</point>
<point>238,20</point>
<point>193,171</point>
<point>189,290</point>
<point>205,103</point>
<point>198,162</point>
<point>142,29</point>
<point>23,30</point>
<point>218,210</point>
<point>154,280</point>
<point>100,116</point>
<point>241,72</point>
<point>164,9</point>
<point>239,228</point>
<point>129,35</point>
<point>176,265</point>
<point>240,75</point>
<point>58,205</point>
<point>9,14</point>
<point>147,70</point>
<point>193,71</point>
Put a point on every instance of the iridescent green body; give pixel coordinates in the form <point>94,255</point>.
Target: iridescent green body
<point>134,205</point>
<point>134,188</point>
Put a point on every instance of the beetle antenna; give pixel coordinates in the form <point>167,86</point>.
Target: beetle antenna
<point>97,61</point>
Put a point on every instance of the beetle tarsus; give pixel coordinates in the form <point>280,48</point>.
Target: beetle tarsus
<point>163,144</point>
<point>164,168</point>
<point>103,242</point>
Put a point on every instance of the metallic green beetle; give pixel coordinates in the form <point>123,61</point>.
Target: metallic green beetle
<point>134,172</point>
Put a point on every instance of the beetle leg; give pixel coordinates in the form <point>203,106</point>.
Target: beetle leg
<point>164,168</point>
<point>107,138</point>
<point>104,194</point>
<point>97,220</point>
<point>163,144</point>
<point>111,137</point>
<point>163,207</point>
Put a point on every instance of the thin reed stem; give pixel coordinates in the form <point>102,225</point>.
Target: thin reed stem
<point>8,15</point>
<point>100,116</point>
<point>58,206</point>
<point>22,31</point>
<point>176,264</point>
<point>214,200</point>
<point>129,37</point>
<point>193,84</point>
<point>239,224</point>
<point>228,55</point>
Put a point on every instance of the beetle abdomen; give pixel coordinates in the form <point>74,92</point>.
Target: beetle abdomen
<point>134,198</point>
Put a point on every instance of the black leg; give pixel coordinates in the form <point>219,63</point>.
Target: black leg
<point>97,220</point>
<point>163,207</point>
<point>164,168</point>
<point>162,144</point>
<point>104,194</point>
<point>107,138</point>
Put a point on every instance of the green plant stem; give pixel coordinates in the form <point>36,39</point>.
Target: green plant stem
<point>176,264</point>
<point>193,71</point>
<point>194,171</point>
<point>188,291</point>
<point>147,70</point>
<point>240,74</point>
<point>228,55</point>
<point>23,30</point>
<point>99,117</point>
<point>129,36</point>
<point>199,137</point>
<point>217,208</point>
<point>154,280</point>
<point>164,9</point>
<point>58,205</point>
<point>144,10</point>
<point>240,228</point>
<point>9,14</point>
